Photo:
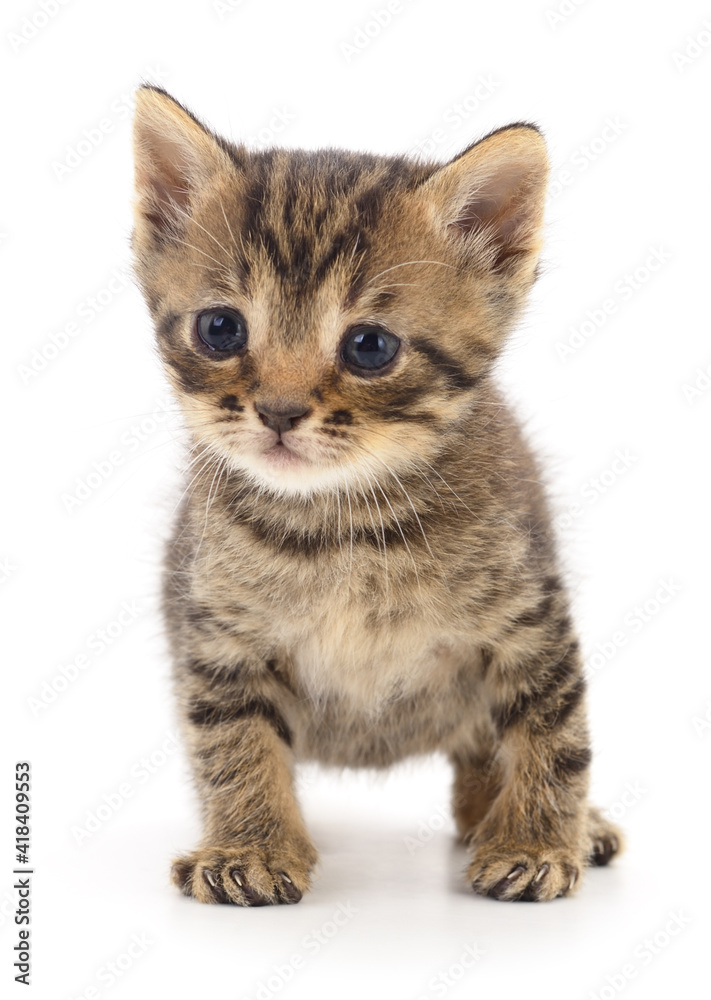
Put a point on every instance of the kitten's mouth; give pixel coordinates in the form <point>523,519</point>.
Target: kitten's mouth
<point>281,456</point>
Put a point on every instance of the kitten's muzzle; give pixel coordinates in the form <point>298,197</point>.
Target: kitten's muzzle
<point>283,418</point>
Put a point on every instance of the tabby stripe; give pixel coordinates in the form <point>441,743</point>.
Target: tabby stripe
<point>487,658</point>
<point>221,769</point>
<point>456,375</point>
<point>341,242</point>
<point>569,701</point>
<point>215,674</point>
<point>406,416</point>
<point>535,616</point>
<point>166,326</point>
<point>570,762</point>
<point>188,367</point>
<point>279,675</point>
<point>276,255</point>
<point>508,715</point>
<point>204,713</point>
<point>299,544</point>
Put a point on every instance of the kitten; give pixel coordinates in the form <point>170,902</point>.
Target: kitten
<point>363,566</point>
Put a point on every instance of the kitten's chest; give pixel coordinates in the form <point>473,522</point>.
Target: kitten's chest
<point>348,625</point>
<point>367,638</point>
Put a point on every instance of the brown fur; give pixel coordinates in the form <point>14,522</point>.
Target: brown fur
<point>394,590</point>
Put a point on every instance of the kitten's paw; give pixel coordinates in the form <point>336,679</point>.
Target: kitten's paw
<point>606,839</point>
<point>244,876</point>
<point>527,873</point>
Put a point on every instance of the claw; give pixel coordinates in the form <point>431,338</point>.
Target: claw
<point>217,891</point>
<point>543,870</point>
<point>289,892</point>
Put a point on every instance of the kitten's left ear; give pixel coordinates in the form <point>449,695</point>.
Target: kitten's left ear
<point>493,194</point>
<point>175,157</point>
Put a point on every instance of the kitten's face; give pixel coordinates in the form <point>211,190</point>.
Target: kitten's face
<point>327,317</point>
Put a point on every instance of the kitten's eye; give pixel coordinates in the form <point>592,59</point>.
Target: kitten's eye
<point>222,330</point>
<point>369,347</point>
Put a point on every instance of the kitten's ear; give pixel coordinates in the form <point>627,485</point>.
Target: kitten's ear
<point>495,190</point>
<point>175,156</point>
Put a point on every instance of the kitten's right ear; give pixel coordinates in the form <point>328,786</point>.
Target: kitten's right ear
<point>175,156</point>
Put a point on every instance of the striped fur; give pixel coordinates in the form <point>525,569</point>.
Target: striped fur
<point>387,584</point>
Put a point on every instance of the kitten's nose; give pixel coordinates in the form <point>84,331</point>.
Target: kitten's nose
<point>282,418</point>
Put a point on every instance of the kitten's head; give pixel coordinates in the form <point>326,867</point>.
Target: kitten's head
<point>329,318</point>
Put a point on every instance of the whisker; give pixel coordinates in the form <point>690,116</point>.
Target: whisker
<point>185,243</point>
<point>406,263</point>
<point>402,533</point>
<point>382,528</point>
<point>350,517</point>
<point>192,219</point>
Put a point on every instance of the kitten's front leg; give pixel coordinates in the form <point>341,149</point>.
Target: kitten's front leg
<point>255,849</point>
<point>535,840</point>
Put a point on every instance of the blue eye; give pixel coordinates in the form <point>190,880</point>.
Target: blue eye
<point>369,348</point>
<point>222,330</point>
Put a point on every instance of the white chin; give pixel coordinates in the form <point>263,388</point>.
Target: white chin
<point>281,470</point>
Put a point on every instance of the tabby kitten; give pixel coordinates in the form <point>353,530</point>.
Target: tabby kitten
<point>363,566</point>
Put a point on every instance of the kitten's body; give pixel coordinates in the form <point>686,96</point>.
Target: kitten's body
<point>363,568</point>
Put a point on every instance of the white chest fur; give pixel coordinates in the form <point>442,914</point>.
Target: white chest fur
<point>340,650</point>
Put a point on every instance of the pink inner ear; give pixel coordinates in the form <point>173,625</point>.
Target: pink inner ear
<point>504,200</point>
<point>479,211</point>
<point>161,176</point>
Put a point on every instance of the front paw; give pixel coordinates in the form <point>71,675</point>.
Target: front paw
<point>531,872</point>
<point>245,876</point>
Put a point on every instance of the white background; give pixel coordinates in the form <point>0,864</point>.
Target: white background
<point>626,120</point>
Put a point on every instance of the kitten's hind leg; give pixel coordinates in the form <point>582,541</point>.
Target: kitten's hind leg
<point>606,839</point>
<point>476,784</point>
